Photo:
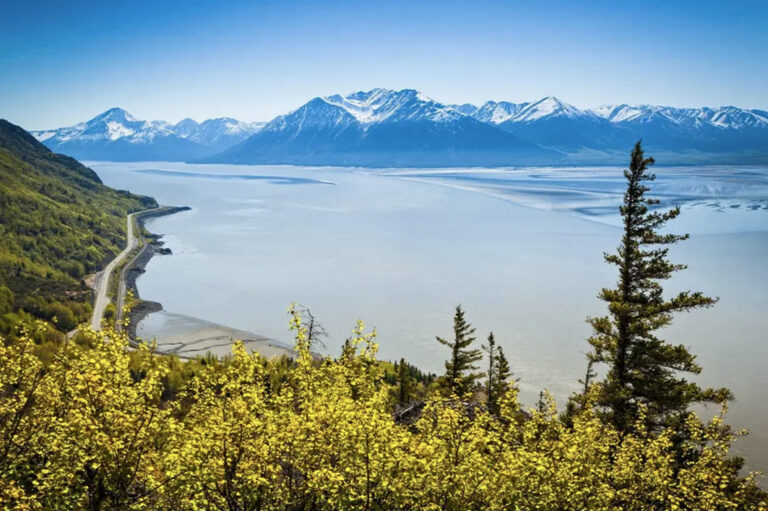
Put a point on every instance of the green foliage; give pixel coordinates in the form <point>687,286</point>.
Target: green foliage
<point>404,383</point>
<point>460,375</point>
<point>643,369</point>
<point>6,299</point>
<point>109,312</point>
<point>490,387</point>
<point>408,382</point>
<point>502,380</point>
<point>498,375</point>
<point>58,223</point>
<point>94,429</point>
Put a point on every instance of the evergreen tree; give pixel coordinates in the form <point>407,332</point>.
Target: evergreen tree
<point>502,379</point>
<point>459,370</point>
<point>644,369</point>
<point>492,352</point>
<point>577,401</point>
<point>498,375</point>
<point>404,386</point>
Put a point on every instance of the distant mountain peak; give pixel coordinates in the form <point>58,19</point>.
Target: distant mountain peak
<point>187,121</point>
<point>378,105</point>
<point>548,106</point>
<point>724,117</point>
<point>381,127</point>
<point>501,112</point>
<point>115,133</point>
<point>186,128</point>
<point>465,108</point>
<point>114,114</point>
<point>497,112</point>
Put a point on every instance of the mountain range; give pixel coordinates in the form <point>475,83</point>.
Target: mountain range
<point>402,128</point>
<point>118,136</point>
<point>689,133</point>
<point>382,127</point>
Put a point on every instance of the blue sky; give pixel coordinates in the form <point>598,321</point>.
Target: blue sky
<point>64,62</point>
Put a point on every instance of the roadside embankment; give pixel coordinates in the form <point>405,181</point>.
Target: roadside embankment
<point>150,245</point>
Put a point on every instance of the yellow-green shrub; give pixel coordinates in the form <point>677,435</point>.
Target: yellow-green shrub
<point>91,431</point>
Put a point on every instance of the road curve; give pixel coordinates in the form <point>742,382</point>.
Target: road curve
<point>101,281</point>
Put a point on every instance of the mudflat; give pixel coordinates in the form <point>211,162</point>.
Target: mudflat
<point>186,336</point>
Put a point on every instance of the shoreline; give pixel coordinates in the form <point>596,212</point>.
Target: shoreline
<point>189,336</point>
<point>137,265</point>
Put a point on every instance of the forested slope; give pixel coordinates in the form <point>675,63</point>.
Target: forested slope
<point>58,223</point>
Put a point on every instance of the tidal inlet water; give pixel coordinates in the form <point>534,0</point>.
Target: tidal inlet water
<point>520,249</point>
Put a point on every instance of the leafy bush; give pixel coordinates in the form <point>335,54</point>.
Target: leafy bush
<point>92,431</point>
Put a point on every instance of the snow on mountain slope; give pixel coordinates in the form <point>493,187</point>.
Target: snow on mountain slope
<point>187,128</point>
<point>466,108</point>
<point>111,125</point>
<point>545,108</point>
<point>548,107</point>
<point>549,122</point>
<point>381,127</point>
<point>405,127</point>
<point>117,135</point>
<point>218,134</point>
<point>379,105</point>
<point>496,113</point>
<point>728,117</point>
<point>618,113</point>
<point>362,110</point>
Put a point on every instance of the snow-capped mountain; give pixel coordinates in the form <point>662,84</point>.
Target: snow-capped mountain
<point>466,108</point>
<point>553,123</point>
<point>382,127</point>
<point>549,122</point>
<point>496,113</point>
<point>118,136</point>
<point>113,124</point>
<point>217,134</point>
<point>725,129</point>
<point>380,105</point>
<point>726,117</point>
<point>545,108</point>
<point>548,108</point>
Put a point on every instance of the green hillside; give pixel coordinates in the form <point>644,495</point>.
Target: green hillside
<point>58,223</point>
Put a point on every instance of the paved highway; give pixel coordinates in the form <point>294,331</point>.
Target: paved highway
<point>101,282</point>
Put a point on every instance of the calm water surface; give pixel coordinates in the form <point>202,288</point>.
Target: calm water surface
<point>521,250</point>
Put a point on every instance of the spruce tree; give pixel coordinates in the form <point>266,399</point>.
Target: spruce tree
<point>492,352</point>
<point>502,378</point>
<point>644,370</point>
<point>459,369</point>
<point>578,400</point>
<point>404,387</point>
